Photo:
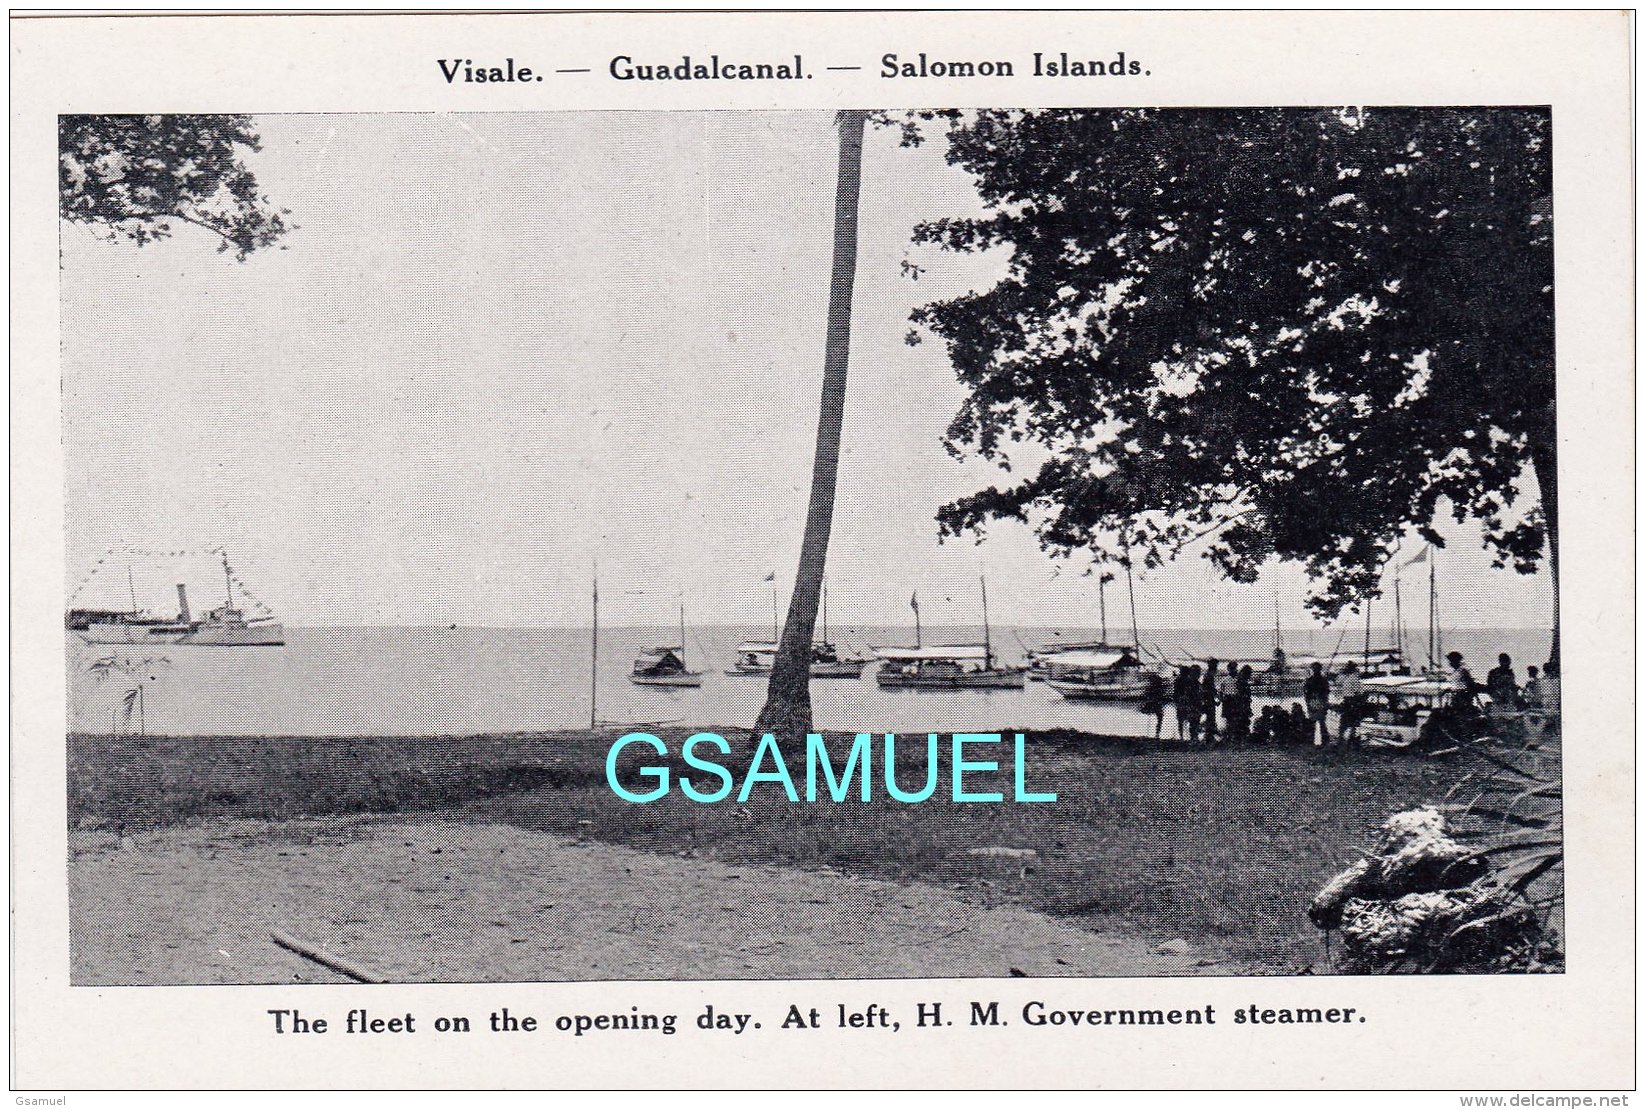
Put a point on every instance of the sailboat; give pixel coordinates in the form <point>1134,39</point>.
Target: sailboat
<point>1099,671</point>
<point>665,666</point>
<point>946,666</point>
<point>758,657</point>
<point>1041,658</point>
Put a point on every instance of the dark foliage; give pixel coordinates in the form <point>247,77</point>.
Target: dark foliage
<point>134,177</point>
<point>1289,333</point>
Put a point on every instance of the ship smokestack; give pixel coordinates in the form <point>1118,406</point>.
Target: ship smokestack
<point>182,603</point>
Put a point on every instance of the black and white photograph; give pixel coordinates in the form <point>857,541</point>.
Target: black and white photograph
<point>433,479</point>
<point>850,550</point>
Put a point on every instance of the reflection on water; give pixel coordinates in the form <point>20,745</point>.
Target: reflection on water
<point>437,681</point>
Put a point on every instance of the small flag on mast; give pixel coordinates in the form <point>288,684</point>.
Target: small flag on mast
<point>772,577</point>
<point>914,601</point>
<point>1420,557</point>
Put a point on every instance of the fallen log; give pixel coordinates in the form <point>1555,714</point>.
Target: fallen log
<point>324,959</point>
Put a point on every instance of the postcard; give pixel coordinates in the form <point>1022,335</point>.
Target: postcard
<point>849,550</point>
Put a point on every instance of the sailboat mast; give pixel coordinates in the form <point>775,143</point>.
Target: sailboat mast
<point>131,588</point>
<point>1433,661</point>
<point>825,609</point>
<point>1367,656</point>
<point>1131,588</point>
<point>1102,598</point>
<point>228,582</point>
<point>987,644</point>
<point>1433,591</point>
<point>682,633</point>
<point>594,657</point>
<point>775,638</point>
<point>1399,623</point>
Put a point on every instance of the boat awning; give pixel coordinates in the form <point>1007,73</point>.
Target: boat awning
<point>1407,685</point>
<point>756,647</point>
<point>1094,660</point>
<point>950,651</point>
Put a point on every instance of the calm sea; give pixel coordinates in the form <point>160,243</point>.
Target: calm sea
<point>440,681</point>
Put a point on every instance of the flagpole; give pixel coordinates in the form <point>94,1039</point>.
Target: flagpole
<point>594,657</point>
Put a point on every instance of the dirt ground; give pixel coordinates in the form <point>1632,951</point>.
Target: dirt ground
<point>438,900</point>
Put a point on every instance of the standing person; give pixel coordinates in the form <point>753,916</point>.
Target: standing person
<point>1208,701</point>
<point>1239,717</point>
<point>1501,685</point>
<point>1351,703</point>
<point>1316,692</point>
<point>1531,696</point>
<point>1227,684</point>
<point>1153,701</point>
<point>1189,707</point>
<point>1181,698</point>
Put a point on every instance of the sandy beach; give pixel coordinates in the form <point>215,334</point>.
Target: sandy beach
<point>439,900</point>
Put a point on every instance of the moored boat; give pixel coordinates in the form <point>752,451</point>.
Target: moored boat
<point>665,666</point>
<point>1112,674</point>
<point>757,657</point>
<point>225,626</point>
<point>945,667</point>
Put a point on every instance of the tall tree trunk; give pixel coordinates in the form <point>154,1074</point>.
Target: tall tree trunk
<point>787,709</point>
<point>1544,460</point>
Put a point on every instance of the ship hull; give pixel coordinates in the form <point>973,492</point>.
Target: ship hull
<point>257,635</point>
<point>1124,690</point>
<point>677,680</point>
<point>818,670</point>
<point>982,680</point>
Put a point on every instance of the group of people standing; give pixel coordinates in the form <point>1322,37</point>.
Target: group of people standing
<point>1215,702</point>
<point>1203,698</point>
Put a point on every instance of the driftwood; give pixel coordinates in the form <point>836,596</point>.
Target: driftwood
<point>1414,854</point>
<point>1417,901</point>
<point>324,959</point>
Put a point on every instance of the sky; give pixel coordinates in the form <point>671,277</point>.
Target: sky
<point>502,349</point>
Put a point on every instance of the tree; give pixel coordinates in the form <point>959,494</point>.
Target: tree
<point>787,710</point>
<point>1271,333</point>
<point>133,177</point>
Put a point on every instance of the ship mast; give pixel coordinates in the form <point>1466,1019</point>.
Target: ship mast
<point>228,582</point>
<point>987,645</point>
<point>1131,588</point>
<point>1434,645</point>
